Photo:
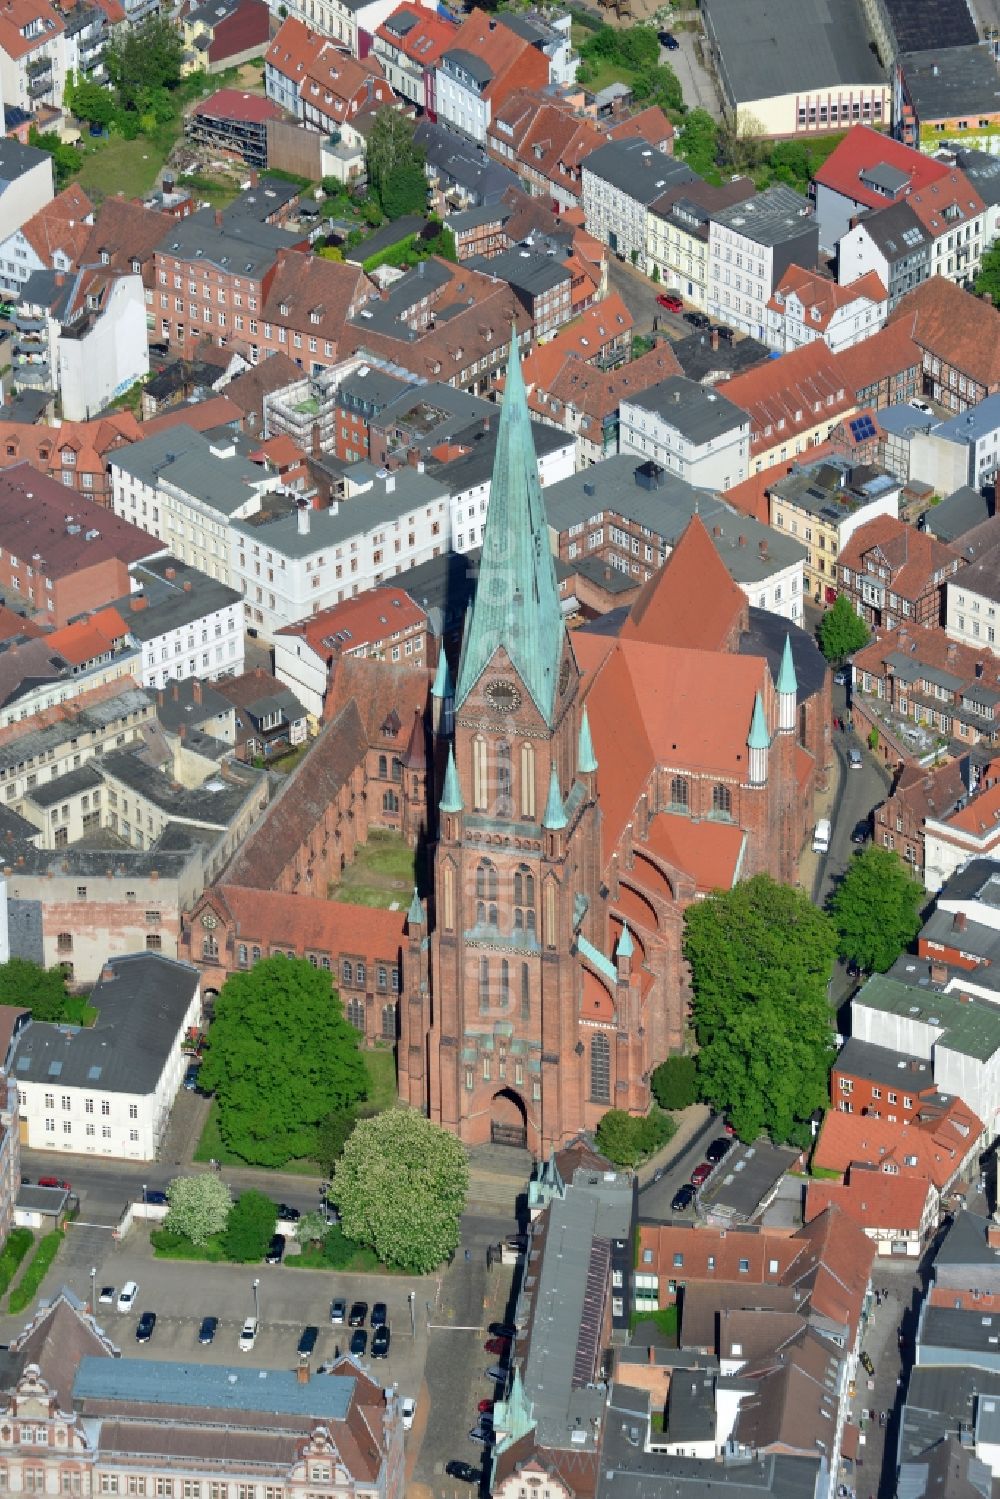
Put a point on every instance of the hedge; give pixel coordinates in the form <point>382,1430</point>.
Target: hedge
<point>27,1287</point>
<point>19,1241</point>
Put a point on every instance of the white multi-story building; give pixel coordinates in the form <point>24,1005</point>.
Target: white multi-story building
<point>25,185</point>
<point>965,449</point>
<point>100,342</point>
<point>806,306</point>
<point>620,181</point>
<point>689,430</point>
<point>184,623</point>
<point>107,1089</point>
<point>290,567</point>
<point>461,81</point>
<point>469,480</point>
<point>187,490</point>
<point>750,247</point>
<point>34,58</point>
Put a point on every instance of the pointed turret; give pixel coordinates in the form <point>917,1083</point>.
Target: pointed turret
<point>415,915</point>
<point>415,754</point>
<point>451,795</point>
<point>442,679</point>
<point>787,687</point>
<point>586,760</point>
<point>517,600</point>
<point>758,743</point>
<point>626,947</point>
<point>443,698</point>
<point>555,812</point>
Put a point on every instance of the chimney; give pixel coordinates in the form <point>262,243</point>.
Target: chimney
<point>60,278</point>
<point>254,178</point>
<point>762,547</point>
<point>137,603</point>
<point>160,697</point>
<point>987,297</point>
<point>958,924</point>
<point>677,398</point>
<point>258,671</point>
<point>993,1236</point>
<point>196,691</point>
<point>716,530</point>
<point>187,585</point>
<point>302,1372</point>
<point>714,340</point>
<point>741,540</point>
<point>218,218</point>
<point>170,574</point>
<point>107,974</point>
<point>939,973</point>
<point>650,1354</point>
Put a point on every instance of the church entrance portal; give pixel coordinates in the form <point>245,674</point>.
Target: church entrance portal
<point>509,1120</point>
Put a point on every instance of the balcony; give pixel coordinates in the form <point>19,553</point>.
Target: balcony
<point>39,66</point>
<point>40,86</point>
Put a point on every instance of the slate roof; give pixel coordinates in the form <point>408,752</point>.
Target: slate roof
<point>944,82</point>
<point>140,1011</point>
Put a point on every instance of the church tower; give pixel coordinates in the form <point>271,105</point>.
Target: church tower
<point>516,866</point>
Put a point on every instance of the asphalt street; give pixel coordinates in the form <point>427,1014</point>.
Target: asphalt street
<point>860,791</point>
<point>655,1197</point>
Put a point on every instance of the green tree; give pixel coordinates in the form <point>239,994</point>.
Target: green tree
<point>876,909</point>
<point>988,279</point>
<point>627,1138</point>
<point>675,1083</point>
<point>312,1227</point>
<point>199,1207</point>
<point>395,165</point>
<point>279,1058</point>
<point>332,1134</point>
<point>698,143</point>
<point>90,101</point>
<point>400,1186</point>
<point>31,987</point>
<point>761,956</point>
<point>250,1227</point>
<point>141,59</point>
<point>841,631</point>
<point>66,160</point>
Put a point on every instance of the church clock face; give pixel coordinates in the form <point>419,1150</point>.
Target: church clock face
<point>503,697</point>
<point>208,921</point>
<point>564,675</point>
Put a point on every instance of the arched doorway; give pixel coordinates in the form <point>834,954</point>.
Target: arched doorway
<point>508,1120</point>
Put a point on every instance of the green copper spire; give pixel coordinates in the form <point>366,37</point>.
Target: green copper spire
<point>442,679</point>
<point>415,915</point>
<point>586,760</point>
<point>517,601</point>
<point>759,738</point>
<point>555,812</point>
<point>451,796</point>
<point>787,680</point>
<point>625,946</point>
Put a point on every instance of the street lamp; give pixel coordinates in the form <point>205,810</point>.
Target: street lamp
<point>93,1290</point>
<point>256,1298</point>
<point>144,1195</point>
<point>412,1299</point>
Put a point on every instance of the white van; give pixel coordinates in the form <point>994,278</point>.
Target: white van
<point>821,837</point>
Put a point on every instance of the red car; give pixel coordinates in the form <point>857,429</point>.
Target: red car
<point>485,1407</point>
<point>670,302</point>
<point>499,1346</point>
<point>54,1181</point>
<point>700,1174</point>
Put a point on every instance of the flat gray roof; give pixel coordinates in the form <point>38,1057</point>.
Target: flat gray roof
<point>183,457</point>
<point>745,1178</point>
<point>947,81</point>
<point>696,411</point>
<point>637,169</point>
<point>531,271</point>
<point>173,602</point>
<point>772,47</point>
<point>957,513</point>
<point>139,1013</point>
<point>372,507</point>
<point>777,214</point>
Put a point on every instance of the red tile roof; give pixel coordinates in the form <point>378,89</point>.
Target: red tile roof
<point>86,639</point>
<point>913,557</point>
<point>18,17</point>
<point>710,852</point>
<point>947,203</point>
<point>363,621</point>
<point>232,104</point>
<point>588,333</point>
<point>820,296</point>
<point>90,442</point>
<point>649,125</point>
<point>61,225</point>
<point>311,923</point>
<point>938,1140</point>
<point>791,395</point>
<point>691,601</point>
<point>954,326</point>
<point>33,510</point>
<point>217,411</point>
<point>425,41</point>
<point>888,353</point>
<point>863,148</point>
<point>514,62</point>
<point>554,384</point>
<point>872,1198</point>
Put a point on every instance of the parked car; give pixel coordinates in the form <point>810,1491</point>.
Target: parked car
<point>54,1181</point>
<point>359,1341</point>
<point>144,1327</point>
<point>290,1215</point>
<point>409,1410</point>
<point>248,1334</point>
<point>485,1407</point>
<point>670,301</point>
<point>718,1149</point>
<point>481,1435</point>
<point>275,1250</point>
<point>919,405</point>
<point>107,1296</point>
<point>307,1341</point>
<point>861,832</point>
<point>840,679</point>
<point>701,1173</point>
<point>127,1295</point>
<point>682,1198</point>
<point>191,1077</point>
<point>380,1342</point>
<point>380,1314</point>
<point>854,759</point>
<point>497,1373</point>
<point>156,1199</point>
<point>853,968</point>
<point>338,1311</point>
<point>499,1346</point>
<point>697,320</point>
<point>668,40</point>
<point>726,333</point>
<point>359,1314</point>
<point>502,1330</point>
<point>206,1332</point>
<point>867,1365</point>
<point>464,1472</point>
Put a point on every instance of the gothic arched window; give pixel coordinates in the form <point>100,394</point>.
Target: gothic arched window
<point>600,1070</point>
<point>679,793</point>
<point>527,781</point>
<point>480,774</point>
<point>722,801</point>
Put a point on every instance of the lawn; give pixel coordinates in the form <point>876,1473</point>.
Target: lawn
<point>665,1319</point>
<point>116,165</point>
<point>383,873</point>
<point>382,1094</point>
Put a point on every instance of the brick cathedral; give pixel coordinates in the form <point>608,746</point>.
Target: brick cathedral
<point>592,785</point>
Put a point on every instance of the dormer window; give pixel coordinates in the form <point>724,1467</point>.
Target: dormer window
<point>314,317</point>
<point>283,309</point>
<point>105,258</point>
<point>136,267</point>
